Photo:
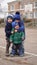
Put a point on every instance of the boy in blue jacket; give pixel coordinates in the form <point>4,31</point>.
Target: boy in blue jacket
<point>19,29</point>
<point>22,27</point>
<point>8,29</point>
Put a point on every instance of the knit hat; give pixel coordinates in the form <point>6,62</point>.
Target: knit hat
<point>10,16</point>
<point>17,17</point>
<point>17,12</point>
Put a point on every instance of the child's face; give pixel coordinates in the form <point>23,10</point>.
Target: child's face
<point>17,20</point>
<point>10,20</point>
<point>17,27</point>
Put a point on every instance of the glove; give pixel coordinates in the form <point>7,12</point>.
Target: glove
<point>12,32</point>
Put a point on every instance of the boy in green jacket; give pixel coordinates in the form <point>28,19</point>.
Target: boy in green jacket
<point>17,37</point>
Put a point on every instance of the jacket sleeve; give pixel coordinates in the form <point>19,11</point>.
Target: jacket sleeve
<point>23,37</point>
<point>22,27</point>
<point>13,24</point>
<point>6,30</point>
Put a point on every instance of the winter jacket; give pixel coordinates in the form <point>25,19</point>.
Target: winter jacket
<point>8,29</point>
<point>16,37</point>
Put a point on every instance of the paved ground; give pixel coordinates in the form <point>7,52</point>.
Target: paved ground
<point>30,45</point>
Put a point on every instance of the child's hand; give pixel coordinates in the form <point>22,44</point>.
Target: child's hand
<point>22,38</point>
<point>17,27</point>
<point>15,30</point>
<point>12,32</point>
<point>11,41</point>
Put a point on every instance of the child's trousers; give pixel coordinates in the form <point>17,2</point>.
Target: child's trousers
<point>7,45</point>
<point>17,49</point>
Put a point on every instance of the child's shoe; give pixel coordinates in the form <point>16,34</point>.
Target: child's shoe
<point>21,54</point>
<point>12,55</point>
<point>7,54</point>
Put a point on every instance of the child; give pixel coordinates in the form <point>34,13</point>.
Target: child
<point>17,37</point>
<point>8,29</point>
<point>22,27</point>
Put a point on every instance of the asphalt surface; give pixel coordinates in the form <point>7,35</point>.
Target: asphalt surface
<point>30,45</point>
